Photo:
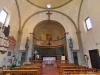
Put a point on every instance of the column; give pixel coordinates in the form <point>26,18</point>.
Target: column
<point>17,55</point>
<point>30,50</point>
<point>69,48</point>
<point>27,50</point>
<point>81,53</point>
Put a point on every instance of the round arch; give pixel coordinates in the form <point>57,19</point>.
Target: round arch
<point>49,21</point>
<point>49,27</point>
<point>49,38</point>
<point>68,17</point>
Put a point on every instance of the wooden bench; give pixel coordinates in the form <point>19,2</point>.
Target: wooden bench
<point>65,69</point>
<point>27,69</point>
<point>20,72</point>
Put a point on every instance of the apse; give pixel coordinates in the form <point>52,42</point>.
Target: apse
<point>49,38</point>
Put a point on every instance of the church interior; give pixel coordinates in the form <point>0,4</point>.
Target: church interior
<point>49,37</point>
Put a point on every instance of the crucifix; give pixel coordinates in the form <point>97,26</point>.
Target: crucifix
<point>49,14</point>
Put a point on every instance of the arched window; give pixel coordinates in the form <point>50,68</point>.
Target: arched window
<point>88,23</point>
<point>3,16</point>
<point>4,22</point>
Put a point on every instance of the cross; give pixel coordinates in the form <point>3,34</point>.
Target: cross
<point>49,14</point>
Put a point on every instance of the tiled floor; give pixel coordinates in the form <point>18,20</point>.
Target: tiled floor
<point>50,70</point>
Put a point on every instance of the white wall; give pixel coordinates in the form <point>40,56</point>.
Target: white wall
<point>10,7</point>
<point>91,38</point>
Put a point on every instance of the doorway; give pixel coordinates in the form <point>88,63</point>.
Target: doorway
<point>95,58</point>
<point>75,57</point>
<point>23,57</point>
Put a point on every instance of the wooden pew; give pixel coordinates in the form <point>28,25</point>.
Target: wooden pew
<point>65,66</point>
<point>27,69</point>
<point>20,72</point>
<point>65,69</point>
<point>76,71</point>
<point>36,66</point>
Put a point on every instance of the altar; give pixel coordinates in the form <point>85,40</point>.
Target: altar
<point>49,60</point>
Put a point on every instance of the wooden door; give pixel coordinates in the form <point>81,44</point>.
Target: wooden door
<point>95,58</point>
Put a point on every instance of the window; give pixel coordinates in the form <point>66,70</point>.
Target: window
<point>9,53</point>
<point>88,23</point>
<point>3,16</point>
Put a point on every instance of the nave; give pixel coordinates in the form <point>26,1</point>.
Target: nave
<point>33,29</point>
<point>57,68</point>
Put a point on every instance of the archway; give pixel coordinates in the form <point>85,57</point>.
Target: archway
<point>49,38</point>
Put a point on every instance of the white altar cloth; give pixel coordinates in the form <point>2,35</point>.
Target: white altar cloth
<point>49,60</point>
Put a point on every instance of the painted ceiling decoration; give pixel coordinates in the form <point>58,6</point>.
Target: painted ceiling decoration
<point>53,4</point>
<point>49,33</point>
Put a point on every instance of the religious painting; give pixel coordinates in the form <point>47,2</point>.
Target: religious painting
<point>48,37</point>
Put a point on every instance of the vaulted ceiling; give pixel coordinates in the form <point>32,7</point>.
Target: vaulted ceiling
<point>26,14</point>
<point>28,9</point>
<point>54,3</point>
<point>31,12</point>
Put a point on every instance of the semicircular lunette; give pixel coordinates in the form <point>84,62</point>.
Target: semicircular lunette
<point>44,3</point>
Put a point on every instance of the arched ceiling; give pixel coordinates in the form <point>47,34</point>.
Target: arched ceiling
<point>53,3</point>
<point>26,9</point>
<point>49,32</point>
<point>70,8</point>
<point>49,27</point>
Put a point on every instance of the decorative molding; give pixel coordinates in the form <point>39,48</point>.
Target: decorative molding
<point>18,41</point>
<point>4,38</point>
<point>79,14</point>
<point>49,46</point>
<point>19,14</point>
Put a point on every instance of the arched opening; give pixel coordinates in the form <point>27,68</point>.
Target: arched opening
<point>49,39</point>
